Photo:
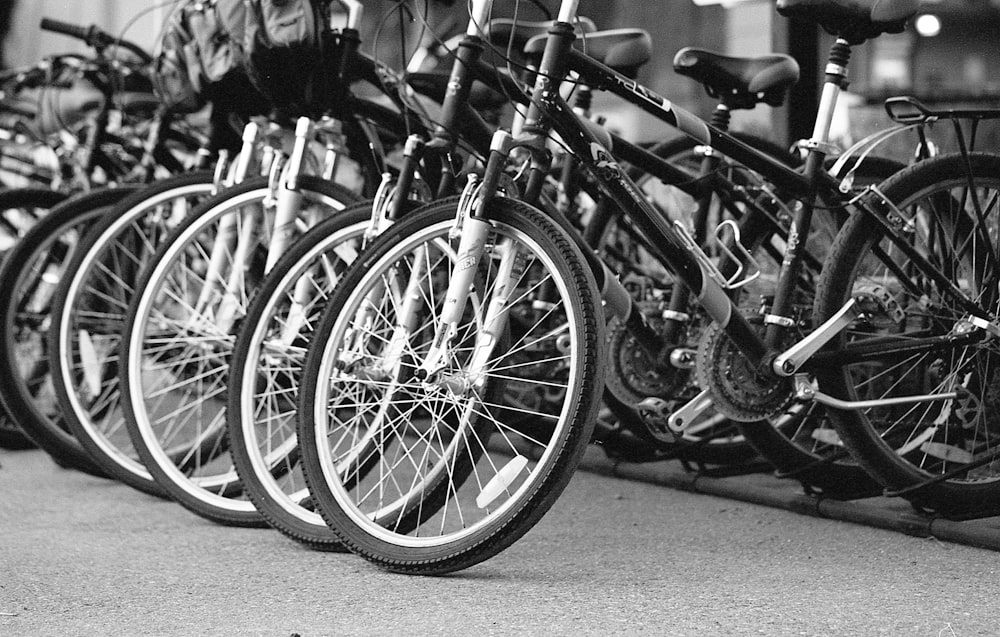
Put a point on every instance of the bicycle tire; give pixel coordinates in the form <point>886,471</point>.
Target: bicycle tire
<point>27,205</point>
<point>20,208</point>
<point>264,375</point>
<point>88,315</point>
<point>912,449</point>
<point>398,536</point>
<point>172,351</point>
<point>27,278</point>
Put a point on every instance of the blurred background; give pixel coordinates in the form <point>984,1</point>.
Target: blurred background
<point>949,56</point>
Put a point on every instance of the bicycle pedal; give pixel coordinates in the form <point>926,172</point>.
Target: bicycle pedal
<point>654,413</point>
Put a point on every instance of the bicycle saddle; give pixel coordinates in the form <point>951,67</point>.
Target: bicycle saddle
<point>500,31</point>
<point>624,50</point>
<point>852,20</point>
<point>435,85</point>
<point>740,82</point>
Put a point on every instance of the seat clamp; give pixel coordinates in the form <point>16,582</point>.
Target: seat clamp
<point>836,69</point>
<point>774,319</point>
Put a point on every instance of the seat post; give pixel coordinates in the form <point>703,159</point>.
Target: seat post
<point>833,85</point>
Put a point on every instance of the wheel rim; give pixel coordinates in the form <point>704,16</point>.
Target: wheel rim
<point>91,381</point>
<point>195,335</point>
<point>497,479</point>
<point>268,428</point>
<point>934,437</point>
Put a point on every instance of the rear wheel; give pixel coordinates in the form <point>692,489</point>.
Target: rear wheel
<point>931,298</point>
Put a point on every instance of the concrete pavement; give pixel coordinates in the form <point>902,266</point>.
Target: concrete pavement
<point>85,556</point>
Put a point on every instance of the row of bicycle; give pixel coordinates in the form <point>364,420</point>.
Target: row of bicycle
<point>397,334</point>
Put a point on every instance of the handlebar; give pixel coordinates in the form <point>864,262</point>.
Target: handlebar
<point>94,37</point>
<point>56,26</point>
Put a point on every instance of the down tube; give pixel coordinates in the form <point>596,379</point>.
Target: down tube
<point>679,253</point>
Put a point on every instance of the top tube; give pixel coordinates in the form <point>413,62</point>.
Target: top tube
<point>604,78</point>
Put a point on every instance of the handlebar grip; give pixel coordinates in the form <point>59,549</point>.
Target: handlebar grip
<point>94,37</point>
<point>58,26</point>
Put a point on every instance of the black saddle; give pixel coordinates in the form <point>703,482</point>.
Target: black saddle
<point>740,82</point>
<point>853,20</point>
<point>624,50</point>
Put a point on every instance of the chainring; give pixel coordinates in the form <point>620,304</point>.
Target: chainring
<point>739,391</point>
<point>633,374</point>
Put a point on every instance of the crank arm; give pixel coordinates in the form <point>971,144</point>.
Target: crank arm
<point>789,361</point>
<point>683,417</point>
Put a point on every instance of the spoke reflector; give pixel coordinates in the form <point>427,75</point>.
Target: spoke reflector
<point>827,436</point>
<point>499,483</point>
<point>916,442</point>
<point>950,453</point>
<point>91,366</point>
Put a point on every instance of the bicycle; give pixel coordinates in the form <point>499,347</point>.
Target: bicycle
<point>280,318</point>
<point>35,267</point>
<point>388,530</point>
<point>88,114</point>
<point>90,304</point>
<point>258,220</point>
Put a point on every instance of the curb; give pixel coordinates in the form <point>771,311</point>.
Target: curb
<point>892,514</point>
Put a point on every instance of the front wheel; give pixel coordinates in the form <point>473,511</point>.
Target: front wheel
<point>20,208</point>
<point>178,336</point>
<point>266,367</point>
<point>28,279</point>
<point>89,313</point>
<point>426,464</point>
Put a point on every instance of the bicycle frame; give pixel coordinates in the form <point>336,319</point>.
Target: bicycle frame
<point>690,263</point>
<point>671,240</point>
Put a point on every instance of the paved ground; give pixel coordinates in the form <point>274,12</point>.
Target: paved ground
<point>84,556</point>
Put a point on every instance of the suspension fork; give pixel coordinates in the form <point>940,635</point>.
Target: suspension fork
<point>225,240</point>
<point>288,199</point>
<point>472,230</point>
<point>288,208</point>
<point>288,203</point>
<point>388,206</point>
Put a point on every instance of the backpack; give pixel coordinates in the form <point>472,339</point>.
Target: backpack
<point>198,47</point>
<point>283,49</point>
